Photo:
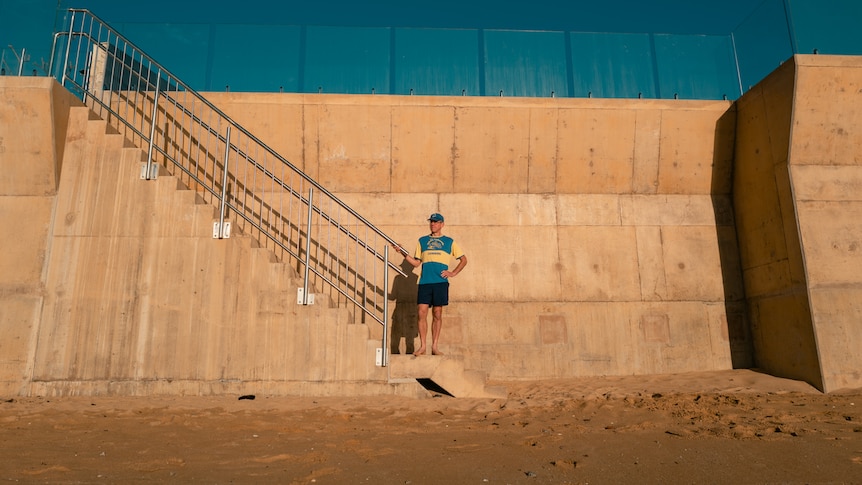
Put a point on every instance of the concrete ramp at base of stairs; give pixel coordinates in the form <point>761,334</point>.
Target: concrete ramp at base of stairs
<point>444,374</point>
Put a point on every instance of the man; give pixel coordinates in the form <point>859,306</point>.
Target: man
<point>433,252</point>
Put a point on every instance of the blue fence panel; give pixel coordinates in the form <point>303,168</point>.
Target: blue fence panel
<point>262,58</point>
<point>696,67</point>
<point>612,65</point>
<point>436,62</point>
<point>183,49</point>
<point>347,60</point>
<point>287,48</point>
<point>522,63</point>
<point>830,27</point>
<point>762,42</point>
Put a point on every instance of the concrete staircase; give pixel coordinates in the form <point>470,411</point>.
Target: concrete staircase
<point>444,374</point>
<point>346,366</point>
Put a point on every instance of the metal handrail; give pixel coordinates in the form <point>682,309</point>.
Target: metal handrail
<point>189,136</point>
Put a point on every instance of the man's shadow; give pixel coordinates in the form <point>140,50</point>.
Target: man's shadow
<point>404,315</point>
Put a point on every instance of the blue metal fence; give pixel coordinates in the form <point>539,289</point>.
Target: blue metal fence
<point>253,52</point>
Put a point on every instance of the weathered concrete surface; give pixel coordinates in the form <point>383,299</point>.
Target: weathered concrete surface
<point>602,238</point>
<point>600,233</point>
<point>797,196</point>
<point>140,298</point>
<point>825,158</point>
<point>115,285</point>
<point>33,123</point>
<point>771,258</point>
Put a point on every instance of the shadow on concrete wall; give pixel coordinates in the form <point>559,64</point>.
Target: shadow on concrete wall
<point>404,323</point>
<point>735,308</point>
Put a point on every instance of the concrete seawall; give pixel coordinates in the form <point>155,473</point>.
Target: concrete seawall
<point>605,237</point>
<point>600,233</point>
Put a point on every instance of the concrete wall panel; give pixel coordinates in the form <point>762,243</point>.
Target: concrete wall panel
<point>776,92</point>
<point>543,150</point>
<point>27,147</point>
<point>828,118</point>
<point>647,151</point>
<point>825,145</point>
<point>827,183</point>
<point>782,336</point>
<point>589,162</point>
<point>355,147</point>
<point>423,149</point>
<point>756,199</point>
<point>282,125</point>
<point>19,314</point>
<point>837,314</point>
<point>25,219</point>
<point>690,165</point>
<point>571,268</point>
<point>672,210</point>
<point>599,263</point>
<point>589,209</point>
<point>492,150</point>
<point>692,262</point>
<point>832,237</point>
<point>499,209</point>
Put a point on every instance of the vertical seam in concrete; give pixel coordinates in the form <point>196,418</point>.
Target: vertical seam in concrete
<point>454,151</point>
<point>558,231</point>
<point>529,148</point>
<point>664,290</point>
<point>556,187</point>
<point>657,180</point>
<point>391,148</point>
<point>634,154</point>
<point>304,163</point>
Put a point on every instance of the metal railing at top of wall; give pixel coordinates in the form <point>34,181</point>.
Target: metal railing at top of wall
<point>331,246</point>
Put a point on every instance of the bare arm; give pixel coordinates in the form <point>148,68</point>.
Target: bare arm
<point>410,259</point>
<point>462,261</point>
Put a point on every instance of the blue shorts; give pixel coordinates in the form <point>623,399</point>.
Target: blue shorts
<point>433,294</point>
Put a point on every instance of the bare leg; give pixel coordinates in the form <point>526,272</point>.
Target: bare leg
<point>436,326</point>
<point>423,328</point>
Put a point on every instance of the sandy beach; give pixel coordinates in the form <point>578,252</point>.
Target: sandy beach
<point>736,426</point>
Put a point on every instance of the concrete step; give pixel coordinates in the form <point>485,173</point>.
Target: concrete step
<point>445,372</point>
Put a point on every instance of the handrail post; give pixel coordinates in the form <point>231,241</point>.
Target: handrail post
<point>148,170</point>
<point>385,359</point>
<point>307,246</point>
<point>223,202</point>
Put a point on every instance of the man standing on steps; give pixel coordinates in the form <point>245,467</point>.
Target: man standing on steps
<point>433,252</point>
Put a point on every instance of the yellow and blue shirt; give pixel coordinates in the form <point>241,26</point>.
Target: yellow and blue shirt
<point>435,254</point>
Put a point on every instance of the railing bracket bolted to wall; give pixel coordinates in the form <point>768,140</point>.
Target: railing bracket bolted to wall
<point>149,171</point>
<point>221,230</point>
<point>304,299</point>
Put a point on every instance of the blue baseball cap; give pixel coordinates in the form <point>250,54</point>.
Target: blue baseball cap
<point>435,217</point>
